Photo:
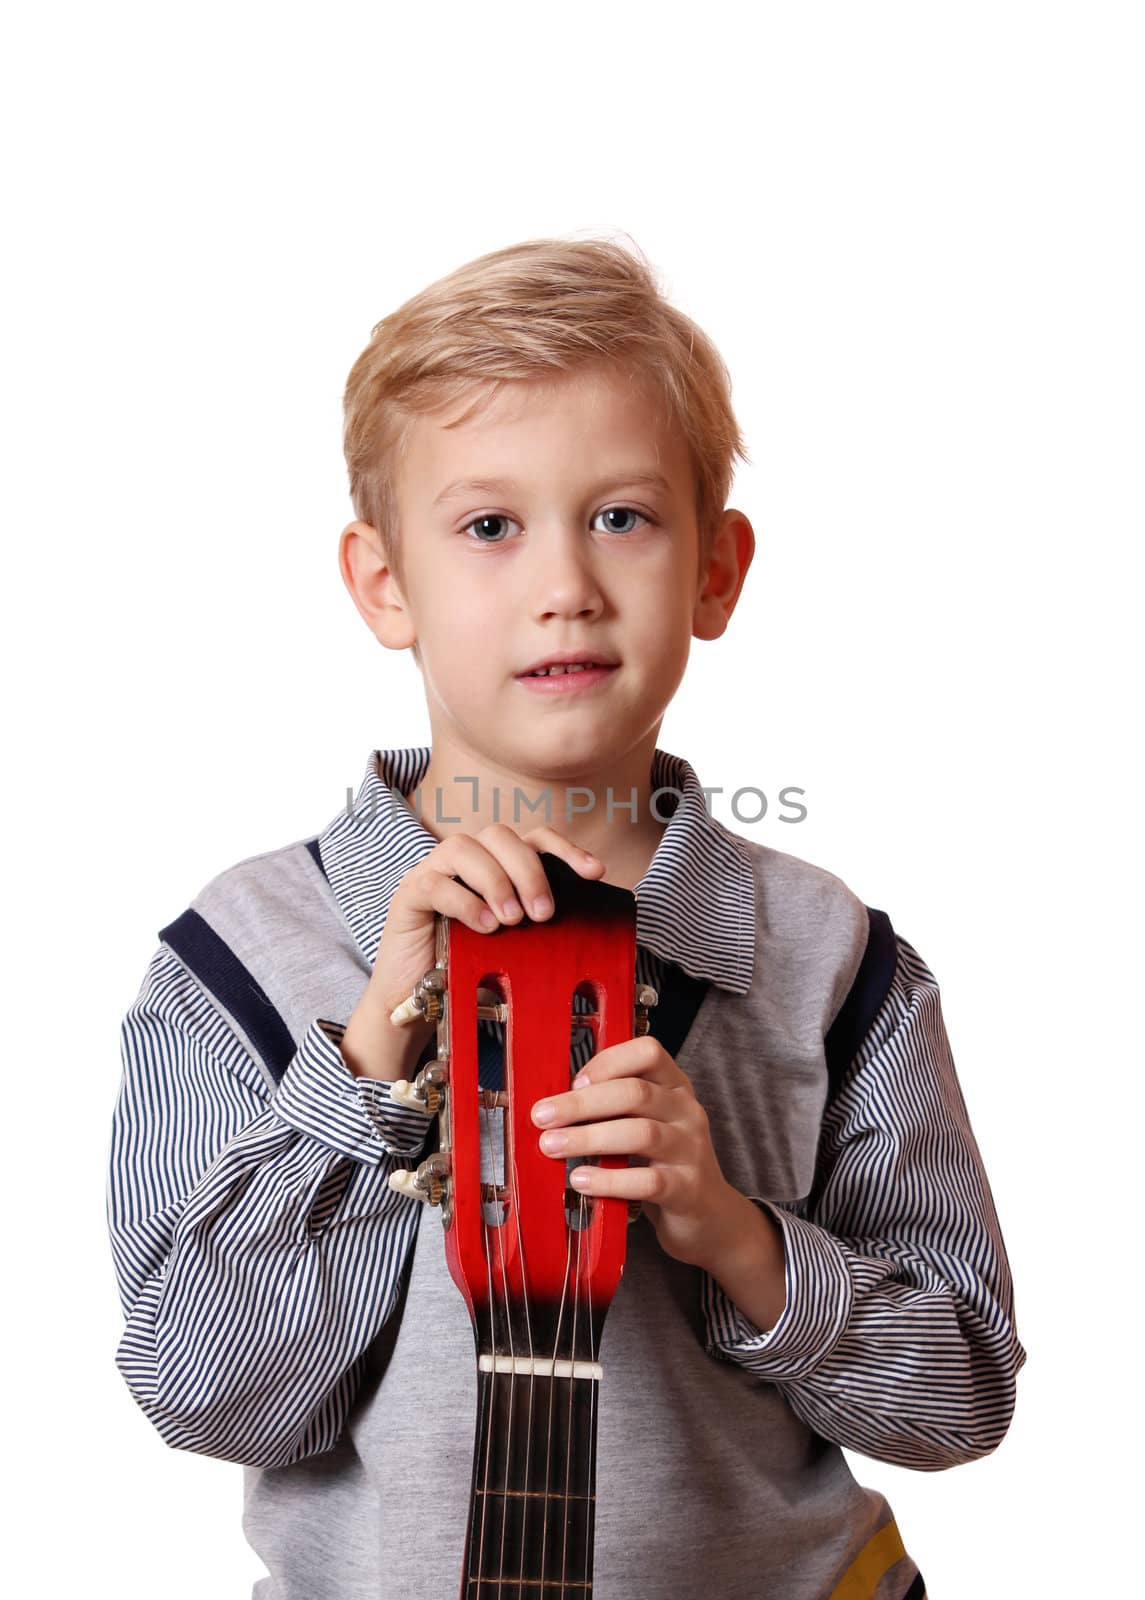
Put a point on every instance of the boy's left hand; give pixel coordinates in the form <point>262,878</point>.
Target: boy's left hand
<point>637,1102</point>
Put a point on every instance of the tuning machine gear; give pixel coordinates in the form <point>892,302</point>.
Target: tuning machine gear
<point>427,1090</point>
<point>428,1182</point>
<point>426,1002</point>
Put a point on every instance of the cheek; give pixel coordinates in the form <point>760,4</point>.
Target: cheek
<point>666,618</point>
<point>466,640</point>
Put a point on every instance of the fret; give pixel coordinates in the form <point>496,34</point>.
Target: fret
<point>475,1586</point>
<point>536,1494</point>
<point>530,1537</point>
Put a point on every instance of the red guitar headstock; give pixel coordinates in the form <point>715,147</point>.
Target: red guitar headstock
<point>530,1255</point>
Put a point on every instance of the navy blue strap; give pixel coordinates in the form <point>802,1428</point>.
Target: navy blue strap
<point>864,999</point>
<point>680,997</point>
<point>221,972</point>
<point>312,846</point>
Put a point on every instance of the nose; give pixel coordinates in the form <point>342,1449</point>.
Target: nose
<point>563,580</point>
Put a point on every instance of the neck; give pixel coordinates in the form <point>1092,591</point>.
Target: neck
<point>531,1517</point>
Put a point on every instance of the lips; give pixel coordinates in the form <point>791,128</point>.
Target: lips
<point>566,660</point>
<point>559,670</point>
<point>563,679</point>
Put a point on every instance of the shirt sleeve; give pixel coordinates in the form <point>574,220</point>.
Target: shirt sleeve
<point>319,1095</point>
<point>248,1315</point>
<point>897,1338</point>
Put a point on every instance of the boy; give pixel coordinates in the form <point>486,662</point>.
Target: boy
<point>540,449</point>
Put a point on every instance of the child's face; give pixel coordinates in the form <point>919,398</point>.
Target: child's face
<point>561,547</point>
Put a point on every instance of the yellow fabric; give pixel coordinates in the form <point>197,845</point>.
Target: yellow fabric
<point>871,1565</point>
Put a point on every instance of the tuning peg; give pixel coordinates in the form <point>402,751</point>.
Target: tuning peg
<point>428,1182</point>
<point>426,1092</point>
<point>425,1003</point>
<point>646,997</point>
<point>574,1199</point>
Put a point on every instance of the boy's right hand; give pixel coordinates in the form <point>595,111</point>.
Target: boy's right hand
<point>498,867</point>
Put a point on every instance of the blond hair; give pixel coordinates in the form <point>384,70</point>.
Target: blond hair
<point>534,311</point>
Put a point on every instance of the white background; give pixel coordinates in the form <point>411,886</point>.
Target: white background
<point>914,231</point>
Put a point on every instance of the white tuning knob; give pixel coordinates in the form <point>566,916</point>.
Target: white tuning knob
<point>405,1182</point>
<point>428,1182</point>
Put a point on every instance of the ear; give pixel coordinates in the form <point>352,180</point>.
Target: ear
<point>374,586</point>
<point>722,578</point>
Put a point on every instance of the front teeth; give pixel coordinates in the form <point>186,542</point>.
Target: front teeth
<point>551,672</point>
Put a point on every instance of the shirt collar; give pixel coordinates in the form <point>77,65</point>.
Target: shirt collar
<point>695,906</point>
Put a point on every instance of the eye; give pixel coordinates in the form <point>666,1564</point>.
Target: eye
<point>488,526</point>
<point>622,511</point>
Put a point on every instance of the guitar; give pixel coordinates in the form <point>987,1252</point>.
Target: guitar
<point>537,1262</point>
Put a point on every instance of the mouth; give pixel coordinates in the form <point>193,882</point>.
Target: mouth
<point>578,666</point>
<point>566,677</point>
<point>569,661</point>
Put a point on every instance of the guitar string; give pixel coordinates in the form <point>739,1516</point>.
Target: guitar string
<point>582,1220</point>
<point>552,1402</point>
<point>508,1322</point>
<point>545,1508</point>
<point>572,1381</point>
<point>592,1421</point>
<point>487,1139</point>
<point>511,1169</point>
<point>486,1124</point>
<point>492,1387</point>
<point>552,1389</point>
<point>589,1476</point>
<point>582,1215</point>
<point>492,1164</point>
<point>569,1424</point>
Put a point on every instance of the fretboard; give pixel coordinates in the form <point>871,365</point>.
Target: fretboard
<point>534,1479</point>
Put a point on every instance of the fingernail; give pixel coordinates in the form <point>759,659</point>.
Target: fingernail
<point>553,1143</point>
<point>581,1178</point>
<point>487,919</point>
<point>510,910</point>
<point>542,906</point>
<point>581,1081</point>
<point>544,1111</point>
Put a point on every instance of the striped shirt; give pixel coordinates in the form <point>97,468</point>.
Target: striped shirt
<point>259,1249</point>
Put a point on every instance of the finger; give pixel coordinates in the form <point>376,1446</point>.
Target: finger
<point>485,884</point>
<point>644,1057</point>
<point>647,1184</point>
<point>659,1141</point>
<point>520,857</point>
<point>544,837</point>
<point>429,887</point>
<point>620,1097</point>
<point>514,867</point>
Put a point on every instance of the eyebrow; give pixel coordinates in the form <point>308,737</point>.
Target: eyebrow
<point>464,486</point>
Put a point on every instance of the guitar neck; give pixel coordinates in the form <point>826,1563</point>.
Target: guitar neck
<point>532,1503</point>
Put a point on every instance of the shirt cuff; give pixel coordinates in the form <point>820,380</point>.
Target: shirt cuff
<point>320,1096</point>
<point>819,1299</point>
